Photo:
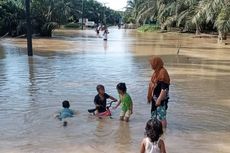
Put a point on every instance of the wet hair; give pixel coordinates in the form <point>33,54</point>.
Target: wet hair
<point>154,129</point>
<point>122,87</point>
<point>100,87</point>
<point>65,104</point>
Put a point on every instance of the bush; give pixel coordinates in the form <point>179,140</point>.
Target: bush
<point>148,28</point>
<point>47,28</point>
<point>72,25</point>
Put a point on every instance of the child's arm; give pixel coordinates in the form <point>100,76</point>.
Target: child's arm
<point>163,93</point>
<point>162,146</point>
<point>95,102</point>
<point>118,104</point>
<point>112,98</point>
<point>57,114</point>
<point>142,147</point>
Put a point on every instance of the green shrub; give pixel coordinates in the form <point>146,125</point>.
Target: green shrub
<point>72,25</point>
<point>148,28</point>
<point>47,28</point>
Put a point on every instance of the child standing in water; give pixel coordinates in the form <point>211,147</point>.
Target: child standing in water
<point>100,99</point>
<point>152,143</point>
<point>98,28</point>
<point>125,101</point>
<point>106,32</point>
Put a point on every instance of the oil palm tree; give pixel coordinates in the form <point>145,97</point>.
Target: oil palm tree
<point>12,17</point>
<point>188,14</point>
<point>223,23</point>
<point>217,12</point>
<point>153,10</point>
<point>48,14</point>
<point>132,10</point>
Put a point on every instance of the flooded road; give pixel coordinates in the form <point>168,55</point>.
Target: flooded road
<point>70,65</point>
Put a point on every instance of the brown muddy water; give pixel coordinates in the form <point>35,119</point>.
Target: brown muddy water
<point>70,65</point>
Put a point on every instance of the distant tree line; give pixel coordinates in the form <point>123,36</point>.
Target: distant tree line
<point>46,15</point>
<point>188,15</point>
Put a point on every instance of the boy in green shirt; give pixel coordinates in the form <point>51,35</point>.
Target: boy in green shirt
<point>125,101</point>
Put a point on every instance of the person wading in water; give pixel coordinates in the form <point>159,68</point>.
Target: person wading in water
<point>158,90</point>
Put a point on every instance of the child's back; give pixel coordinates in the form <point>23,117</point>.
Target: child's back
<point>66,112</point>
<point>151,147</point>
<point>152,143</point>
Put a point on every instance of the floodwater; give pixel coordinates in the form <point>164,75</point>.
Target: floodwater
<point>70,65</point>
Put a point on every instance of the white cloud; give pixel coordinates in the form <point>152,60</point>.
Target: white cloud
<point>114,4</point>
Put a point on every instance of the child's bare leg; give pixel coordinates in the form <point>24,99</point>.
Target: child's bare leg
<point>122,118</point>
<point>126,119</point>
<point>127,116</point>
<point>96,112</point>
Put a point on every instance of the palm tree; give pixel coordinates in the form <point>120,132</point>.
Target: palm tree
<point>132,10</point>
<point>12,17</point>
<point>187,14</point>
<point>48,14</point>
<point>223,23</point>
<point>217,12</point>
<point>153,10</point>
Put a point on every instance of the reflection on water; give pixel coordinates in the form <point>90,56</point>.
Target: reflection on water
<point>123,137</point>
<point>70,67</point>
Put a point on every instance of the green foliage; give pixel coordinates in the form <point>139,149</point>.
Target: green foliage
<point>98,13</point>
<point>188,15</point>
<point>223,20</point>
<point>148,28</point>
<point>132,10</point>
<point>47,28</point>
<point>46,15</point>
<point>12,17</point>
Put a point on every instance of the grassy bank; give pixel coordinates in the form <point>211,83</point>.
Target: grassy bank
<point>148,28</point>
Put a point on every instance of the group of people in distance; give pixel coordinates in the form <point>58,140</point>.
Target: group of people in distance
<point>102,28</point>
<point>158,96</point>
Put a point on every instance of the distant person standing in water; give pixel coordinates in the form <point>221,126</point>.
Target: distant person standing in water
<point>158,90</point>
<point>106,32</point>
<point>119,26</point>
<point>98,28</point>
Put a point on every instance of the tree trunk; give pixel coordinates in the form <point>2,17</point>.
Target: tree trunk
<point>197,29</point>
<point>222,37</point>
<point>162,27</point>
<point>197,32</point>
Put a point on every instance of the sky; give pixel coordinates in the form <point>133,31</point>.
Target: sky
<point>114,4</point>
